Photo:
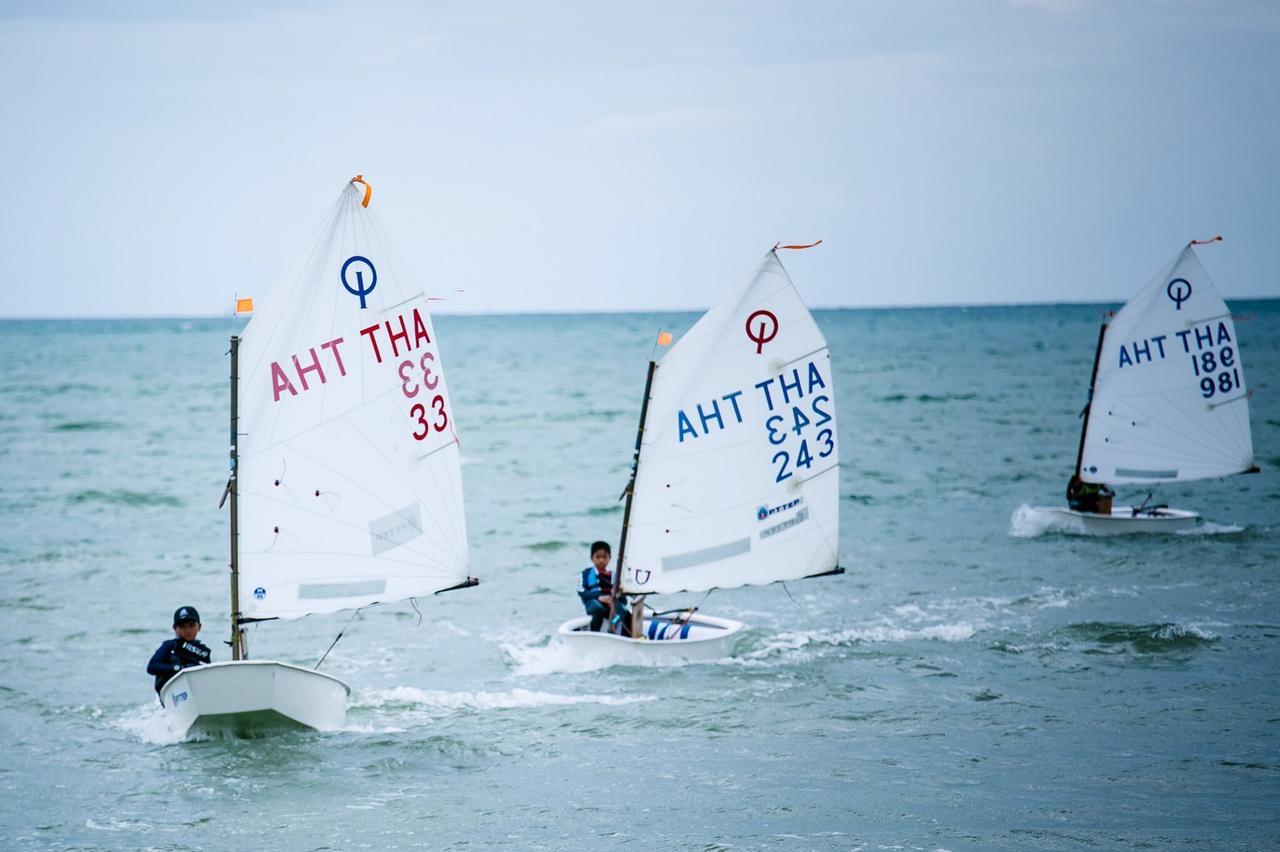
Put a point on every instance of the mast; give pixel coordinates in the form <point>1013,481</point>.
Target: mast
<point>233,488</point>
<point>631,486</point>
<point>1093,378</point>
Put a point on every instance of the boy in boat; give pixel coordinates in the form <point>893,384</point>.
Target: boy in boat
<point>183,651</point>
<point>1089,497</point>
<point>596,590</point>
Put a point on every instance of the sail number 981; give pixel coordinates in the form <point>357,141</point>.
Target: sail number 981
<point>779,431</point>
<point>1209,362</point>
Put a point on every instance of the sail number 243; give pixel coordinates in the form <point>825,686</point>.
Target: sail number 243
<point>1223,364</point>
<point>427,415</point>
<point>817,417</point>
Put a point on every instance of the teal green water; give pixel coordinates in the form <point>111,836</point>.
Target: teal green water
<point>975,680</point>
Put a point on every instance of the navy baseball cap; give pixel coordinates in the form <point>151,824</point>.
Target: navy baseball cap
<point>185,613</point>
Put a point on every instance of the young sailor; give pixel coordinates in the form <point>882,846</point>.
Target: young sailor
<point>596,590</point>
<point>183,651</point>
<point>1089,497</point>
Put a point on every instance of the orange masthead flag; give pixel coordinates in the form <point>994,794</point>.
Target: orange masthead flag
<point>244,306</point>
<point>664,338</point>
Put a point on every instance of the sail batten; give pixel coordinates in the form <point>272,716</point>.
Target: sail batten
<point>740,429</point>
<point>349,474</point>
<point>1164,399</point>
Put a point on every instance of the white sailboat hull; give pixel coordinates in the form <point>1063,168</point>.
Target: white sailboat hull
<point>702,637</point>
<point>254,698</point>
<point>1124,520</point>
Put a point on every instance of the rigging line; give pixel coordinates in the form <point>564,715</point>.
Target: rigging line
<point>1193,417</point>
<point>346,480</point>
<point>294,505</point>
<point>1211,448</point>
<point>691,610</point>
<point>1150,445</point>
<point>822,348</point>
<point>335,641</point>
<point>413,602</point>
<point>452,536</point>
<point>351,527</point>
<point>788,591</point>
<point>1245,434</point>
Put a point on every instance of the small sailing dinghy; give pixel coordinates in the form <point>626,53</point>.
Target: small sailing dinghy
<point>1167,403</point>
<point>736,472</point>
<point>345,487</point>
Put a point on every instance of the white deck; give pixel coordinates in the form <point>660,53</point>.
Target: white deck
<point>254,698</point>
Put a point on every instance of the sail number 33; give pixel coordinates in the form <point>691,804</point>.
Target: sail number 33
<point>417,378</point>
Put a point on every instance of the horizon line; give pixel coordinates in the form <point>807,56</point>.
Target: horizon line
<point>619,311</point>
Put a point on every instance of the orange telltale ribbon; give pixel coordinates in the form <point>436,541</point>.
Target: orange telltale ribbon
<point>368,190</point>
<point>810,245</point>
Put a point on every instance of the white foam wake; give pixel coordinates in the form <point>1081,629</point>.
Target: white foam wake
<point>149,723</point>
<point>512,699</point>
<point>802,639</point>
<point>1035,521</point>
<point>557,657</point>
<point>1210,528</point>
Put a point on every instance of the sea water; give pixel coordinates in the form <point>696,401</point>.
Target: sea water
<point>976,679</point>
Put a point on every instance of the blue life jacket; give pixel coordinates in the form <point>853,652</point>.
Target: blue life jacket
<point>592,586</point>
<point>173,656</point>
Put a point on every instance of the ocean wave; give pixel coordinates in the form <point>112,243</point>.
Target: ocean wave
<point>118,825</point>
<point>87,426</point>
<point>557,657</point>
<point>882,633</point>
<point>546,546</point>
<point>512,699</point>
<point>1210,528</point>
<point>121,497</point>
<point>1143,638</point>
<point>925,397</point>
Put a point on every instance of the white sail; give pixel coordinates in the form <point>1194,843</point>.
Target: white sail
<point>1170,400</point>
<point>350,489</point>
<point>738,479</point>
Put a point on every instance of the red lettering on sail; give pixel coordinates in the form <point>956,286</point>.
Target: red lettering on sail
<point>420,335</point>
<point>398,334</point>
<point>306,369</point>
<point>280,382</point>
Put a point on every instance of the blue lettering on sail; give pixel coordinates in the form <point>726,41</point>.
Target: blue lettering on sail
<point>1214,368</point>
<point>795,410</point>
<point>1140,351</point>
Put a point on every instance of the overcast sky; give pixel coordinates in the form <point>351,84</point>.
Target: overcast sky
<point>162,156</point>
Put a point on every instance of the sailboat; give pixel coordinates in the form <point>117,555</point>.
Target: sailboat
<point>735,477</point>
<point>1167,402</point>
<point>345,488</point>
